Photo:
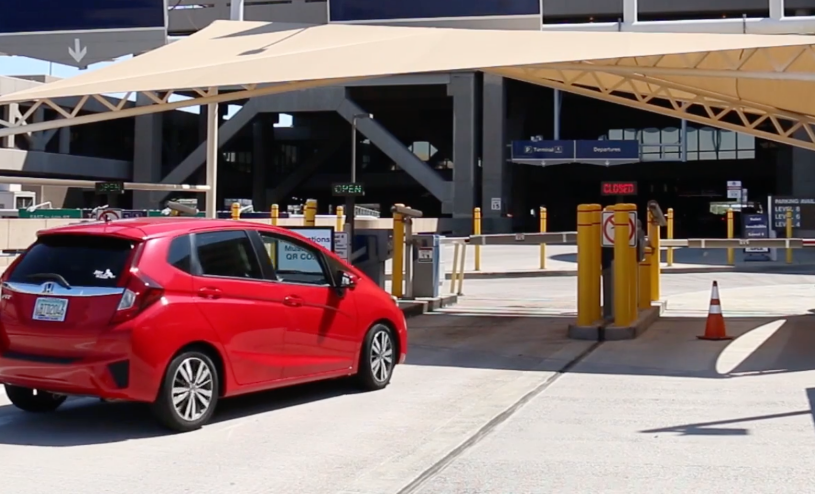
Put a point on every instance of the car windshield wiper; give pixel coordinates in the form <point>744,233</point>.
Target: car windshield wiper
<point>50,277</point>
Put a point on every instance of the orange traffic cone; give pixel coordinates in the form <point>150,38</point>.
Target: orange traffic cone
<point>714,327</point>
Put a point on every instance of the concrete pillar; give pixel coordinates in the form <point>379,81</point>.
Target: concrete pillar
<point>495,171</point>
<point>64,140</point>
<point>464,89</point>
<point>146,154</point>
<point>9,114</point>
<point>262,135</point>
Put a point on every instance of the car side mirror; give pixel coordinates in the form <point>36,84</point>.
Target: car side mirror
<point>347,281</point>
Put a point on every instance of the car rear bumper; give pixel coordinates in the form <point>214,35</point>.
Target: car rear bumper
<point>114,377</point>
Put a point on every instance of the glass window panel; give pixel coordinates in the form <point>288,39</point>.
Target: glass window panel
<point>746,141</point>
<point>630,134</point>
<point>671,152</point>
<point>727,155</point>
<point>707,138</point>
<point>728,141</point>
<point>670,135</point>
<point>746,155</point>
<point>615,134</point>
<point>693,139</point>
<point>651,136</point>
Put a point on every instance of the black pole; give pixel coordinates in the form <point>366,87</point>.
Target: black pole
<point>350,207</point>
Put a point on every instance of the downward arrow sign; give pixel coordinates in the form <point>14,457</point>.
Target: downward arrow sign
<point>78,51</point>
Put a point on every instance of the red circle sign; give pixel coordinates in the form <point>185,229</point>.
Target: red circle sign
<point>608,228</point>
<point>109,216</point>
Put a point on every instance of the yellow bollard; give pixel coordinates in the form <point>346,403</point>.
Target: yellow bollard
<point>275,213</point>
<point>454,274</point>
<point>597,260</point>
<point>310,213</point>
<point>645,280</point>
<point>461,269</point>
<point>340,218</point>
<point>543,220</point>
<point>477,231</point>
<point>398,266</point>
<point>236,211</point>
<point>789,235</point>
<point>588,302</point>
<point>623,271</point>
<point>730,259</point>
<point>670,253</point>
<point>654,236</point>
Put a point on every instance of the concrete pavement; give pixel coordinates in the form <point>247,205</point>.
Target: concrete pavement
<point>482,407</point>
<point>524,260</point>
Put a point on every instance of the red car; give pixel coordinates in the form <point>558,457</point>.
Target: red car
<point>181,312</point>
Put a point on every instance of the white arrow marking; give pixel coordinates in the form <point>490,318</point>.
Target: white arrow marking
<point>78,51</point>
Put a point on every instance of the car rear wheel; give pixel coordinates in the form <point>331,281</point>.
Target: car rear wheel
<point>34,400</point>
<point>377,359</point>
<point>188,393</point>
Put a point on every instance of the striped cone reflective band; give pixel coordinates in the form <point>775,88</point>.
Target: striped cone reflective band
<point>714,326</point>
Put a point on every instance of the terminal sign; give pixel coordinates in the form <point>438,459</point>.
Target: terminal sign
<point>618,188</point>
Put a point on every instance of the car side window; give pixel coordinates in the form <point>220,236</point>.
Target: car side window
<point>180,253</point>
<point>227,253</point>
<point>295,262</point>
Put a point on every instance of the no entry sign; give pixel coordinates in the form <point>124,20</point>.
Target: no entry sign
<point>608,228</point>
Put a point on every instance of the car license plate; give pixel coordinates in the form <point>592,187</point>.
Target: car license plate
<point>50,309</point>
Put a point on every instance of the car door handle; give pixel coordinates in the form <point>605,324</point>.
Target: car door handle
<point>209,292</point>
<point>293,301</point>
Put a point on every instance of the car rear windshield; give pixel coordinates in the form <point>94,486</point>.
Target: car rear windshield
<point>81,260</point>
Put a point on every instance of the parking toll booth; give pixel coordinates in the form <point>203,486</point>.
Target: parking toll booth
<point>402,250</point>
<point>426,270</point>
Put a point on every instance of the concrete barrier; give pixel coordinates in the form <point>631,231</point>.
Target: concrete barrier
<point>20,233</point>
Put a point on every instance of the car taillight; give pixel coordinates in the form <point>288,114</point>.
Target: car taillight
<point>140,293</point>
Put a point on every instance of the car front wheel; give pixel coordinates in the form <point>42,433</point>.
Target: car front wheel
<point>188,393</point>
<point>33,400</point>
<point>377,359</point>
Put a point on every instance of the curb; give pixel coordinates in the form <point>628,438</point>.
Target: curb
<point>413,308</point>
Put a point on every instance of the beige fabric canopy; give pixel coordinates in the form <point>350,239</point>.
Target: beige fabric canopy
<point>240,53</point>
<point>763,76</point>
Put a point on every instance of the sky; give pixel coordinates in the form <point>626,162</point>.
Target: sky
<point>11,66</point>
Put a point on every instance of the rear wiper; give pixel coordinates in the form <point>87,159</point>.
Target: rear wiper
<point>51,277</point>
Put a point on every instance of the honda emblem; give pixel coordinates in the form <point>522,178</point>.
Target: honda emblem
<point>48,288</point>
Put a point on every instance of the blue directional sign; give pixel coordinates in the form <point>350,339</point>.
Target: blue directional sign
<point>607,150</point>
<point>81,32</point>
<point>45,16</point>
<point>544,153</point>
<point>367,10</point>
<point>543,150</point>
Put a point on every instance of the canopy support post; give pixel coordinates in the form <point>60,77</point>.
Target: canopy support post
<point>212,158</point>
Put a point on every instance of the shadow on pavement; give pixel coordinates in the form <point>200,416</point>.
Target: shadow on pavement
<point>718,428</point>
<point>85,421</point>
<point>669,348</point>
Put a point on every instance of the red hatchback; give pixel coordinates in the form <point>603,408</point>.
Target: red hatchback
<point>181,312</point>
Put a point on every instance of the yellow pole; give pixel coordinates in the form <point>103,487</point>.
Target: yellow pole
<point>789,235</point>
<point>236,211</point>
<point>596,260</point>
<point>730,259</point>
<point>645,280</point>
<point>543,219</point>
<point>670,254</point>
<point>275,213</point>
<point>622,269</point>
<point>585,267</point>
<point>397,271</point>
<point>461,269</point>
<point>340,218</point>
<point>453,275</point>
<point>477,231</point>
<point>654,233</point>
<point>310,213</point>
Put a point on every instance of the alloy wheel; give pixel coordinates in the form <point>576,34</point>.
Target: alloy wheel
<point>381,355</point>
<point>192,389</point>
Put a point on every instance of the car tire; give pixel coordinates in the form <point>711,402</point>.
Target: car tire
<point>189,392</point>
<point>377,359</point>
<point>34,400</point>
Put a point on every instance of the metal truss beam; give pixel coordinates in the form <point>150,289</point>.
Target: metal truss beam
<point>676,100</point>
<point>159,102</point>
